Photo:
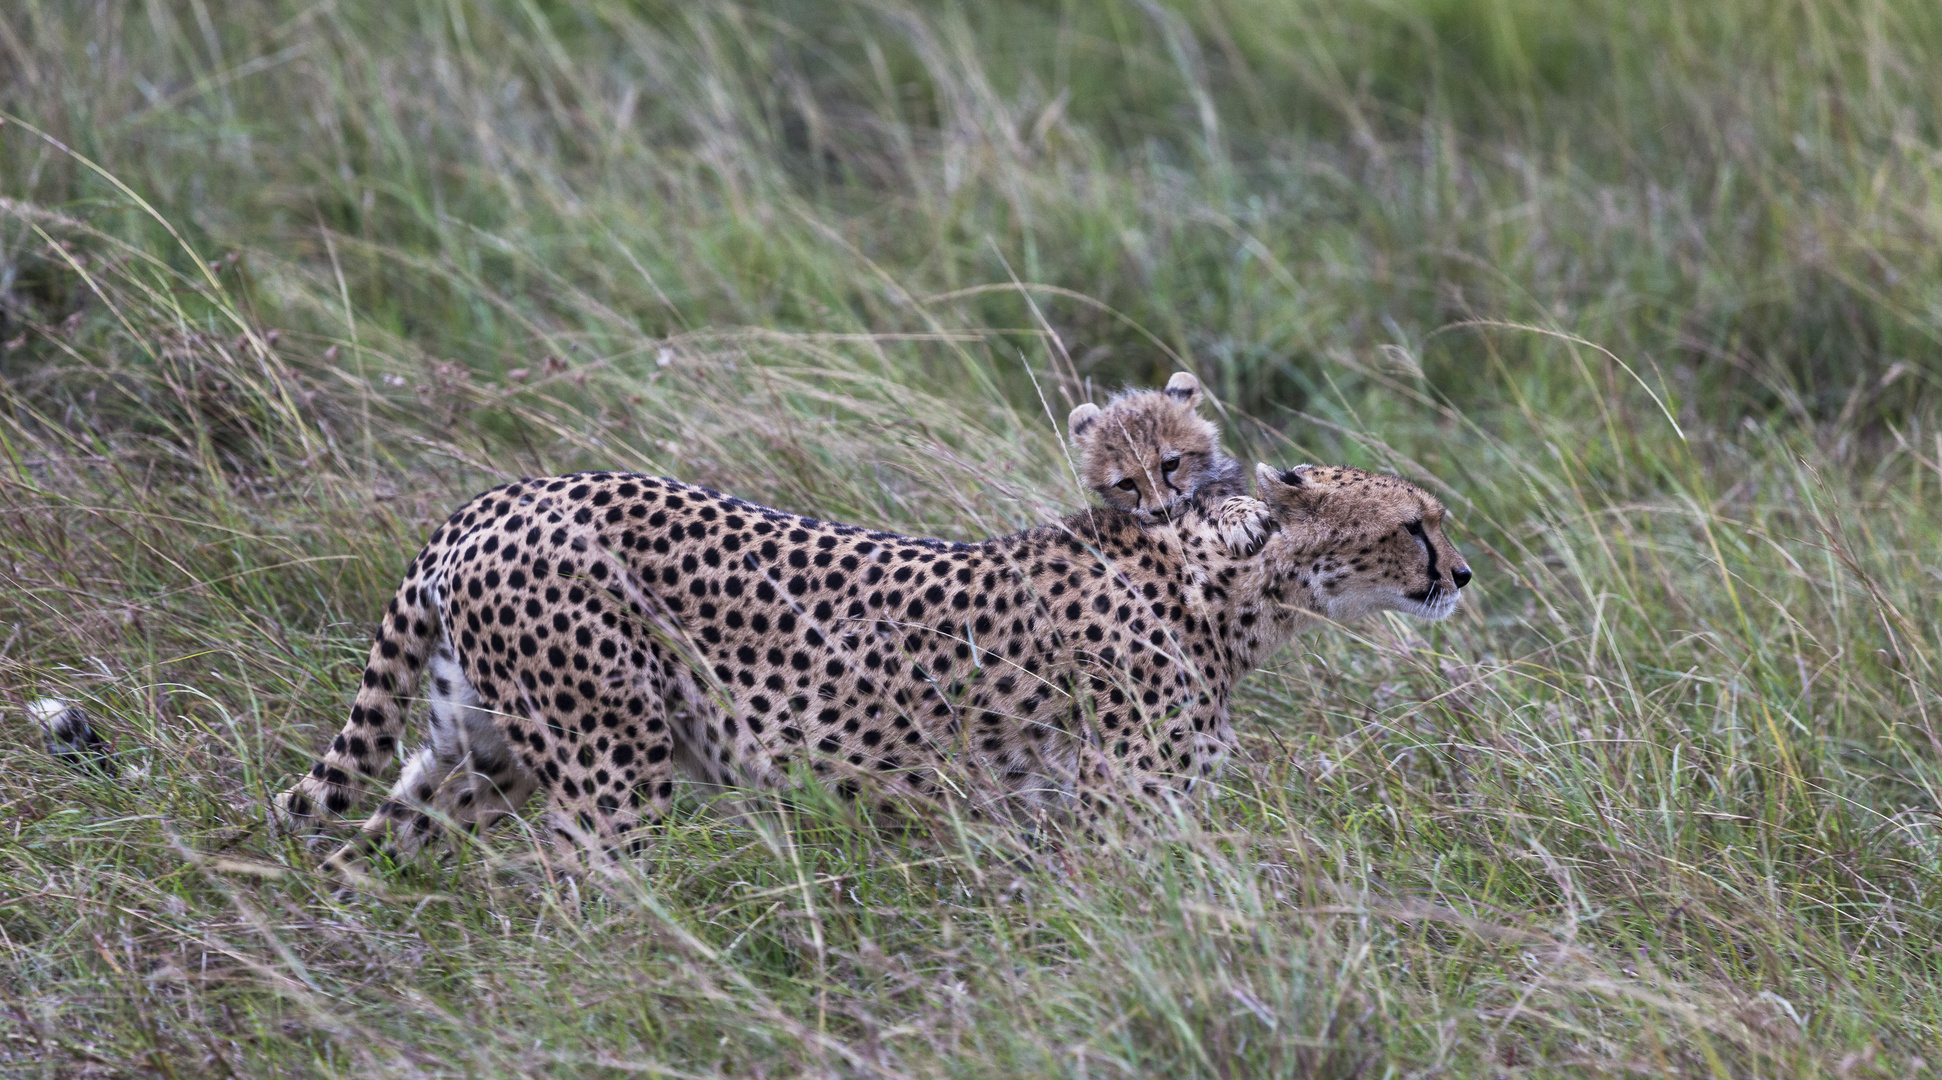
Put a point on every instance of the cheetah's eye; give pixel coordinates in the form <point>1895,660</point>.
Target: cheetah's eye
<point>1127,484</point>
<point>1167,466</point>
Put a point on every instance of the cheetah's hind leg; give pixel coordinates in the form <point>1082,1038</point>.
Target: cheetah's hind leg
<point>614,785</point>
<point>365,748</point>
<point>466,774</point>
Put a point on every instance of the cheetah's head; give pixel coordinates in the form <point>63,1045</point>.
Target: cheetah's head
<point>1362,542</point>
<point>1149,450</point>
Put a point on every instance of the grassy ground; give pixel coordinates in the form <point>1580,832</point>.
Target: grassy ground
<point>1645,290</point>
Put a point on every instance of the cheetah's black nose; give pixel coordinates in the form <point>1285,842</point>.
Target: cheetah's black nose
<point>1461,575</point>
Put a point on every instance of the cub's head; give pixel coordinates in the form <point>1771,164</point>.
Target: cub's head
<point>1149,450</point>
<point>1359,542</point>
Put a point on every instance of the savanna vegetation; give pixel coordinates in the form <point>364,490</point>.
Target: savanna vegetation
<point>1646,291</point>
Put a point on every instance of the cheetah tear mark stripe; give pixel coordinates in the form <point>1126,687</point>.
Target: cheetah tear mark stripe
<point>1428,594</point>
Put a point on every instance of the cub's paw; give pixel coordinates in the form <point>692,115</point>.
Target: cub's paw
<point>1243,523</point>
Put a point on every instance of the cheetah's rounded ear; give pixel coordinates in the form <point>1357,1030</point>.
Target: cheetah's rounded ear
<point>1289,488</point>
<point>1081,420</point>
<point>1269,476</point>
<point>1184,388</point>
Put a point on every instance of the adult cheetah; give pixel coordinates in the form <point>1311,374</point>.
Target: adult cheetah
<point>592,635</point>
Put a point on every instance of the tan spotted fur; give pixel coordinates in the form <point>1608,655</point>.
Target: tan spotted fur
<point>595,636</point>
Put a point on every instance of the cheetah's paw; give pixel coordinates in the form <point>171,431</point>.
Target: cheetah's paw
<point>1243,523</point>
<point>296,814</point>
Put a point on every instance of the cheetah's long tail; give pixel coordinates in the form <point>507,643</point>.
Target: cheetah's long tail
<point>365,749</point>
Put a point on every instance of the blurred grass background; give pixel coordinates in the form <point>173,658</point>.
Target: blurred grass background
<point>1648,292</point>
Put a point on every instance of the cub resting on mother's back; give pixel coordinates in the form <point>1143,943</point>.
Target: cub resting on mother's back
<point>1148,451</point>
<point>591,634</point>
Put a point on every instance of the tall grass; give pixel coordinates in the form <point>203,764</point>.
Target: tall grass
<point>1645,291</point>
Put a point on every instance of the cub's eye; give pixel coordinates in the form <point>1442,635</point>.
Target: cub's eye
<point>1169,465</point>
<point>1127,485</point>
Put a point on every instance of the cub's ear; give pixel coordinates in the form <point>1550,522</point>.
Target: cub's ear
<point>1294,488</point>
<point>1184,388</point>
<point>1080,421</point>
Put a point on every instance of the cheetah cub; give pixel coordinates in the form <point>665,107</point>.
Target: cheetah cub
<point>1150,451</point>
